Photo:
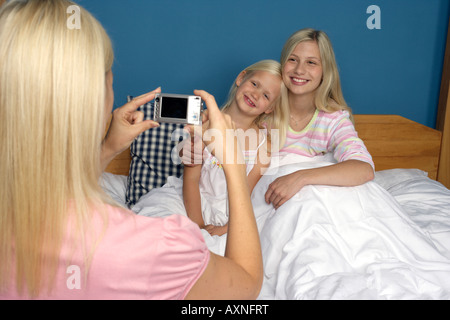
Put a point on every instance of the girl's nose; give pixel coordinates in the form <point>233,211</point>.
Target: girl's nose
<point>256,94</point>
<point>300,69</point>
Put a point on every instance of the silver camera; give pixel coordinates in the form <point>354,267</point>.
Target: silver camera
<point>178,108</point>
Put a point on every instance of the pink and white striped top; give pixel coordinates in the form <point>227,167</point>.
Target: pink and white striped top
<point>328,132</point>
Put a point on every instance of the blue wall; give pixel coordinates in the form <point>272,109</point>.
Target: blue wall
<point>204,44</point>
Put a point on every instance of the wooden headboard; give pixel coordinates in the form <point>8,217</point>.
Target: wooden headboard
<point>396,142</point>
<point>393,141</point>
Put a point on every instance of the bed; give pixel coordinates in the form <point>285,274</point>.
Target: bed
<point>387,239</point>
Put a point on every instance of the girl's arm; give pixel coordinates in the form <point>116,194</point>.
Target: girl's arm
<point>347,173</point>
<point>237,275</point>
<point>191,194</point>
<point>355,165</point>
<point>261,165</point>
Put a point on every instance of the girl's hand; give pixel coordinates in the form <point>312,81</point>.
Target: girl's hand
<point>216,230</point>
<point>284,188</point>
<point>346,174</point>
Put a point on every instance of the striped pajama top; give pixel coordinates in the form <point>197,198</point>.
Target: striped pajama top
<point>328,132</point>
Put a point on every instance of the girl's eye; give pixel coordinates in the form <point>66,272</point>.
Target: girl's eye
<point>254,84</point>
<point>266,96</point>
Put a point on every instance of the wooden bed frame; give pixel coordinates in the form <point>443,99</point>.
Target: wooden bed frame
<point>396,142</point>
<point>393,141</point>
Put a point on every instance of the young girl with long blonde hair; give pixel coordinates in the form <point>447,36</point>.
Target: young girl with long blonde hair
<point>254,105</point>
<point>320,121</point>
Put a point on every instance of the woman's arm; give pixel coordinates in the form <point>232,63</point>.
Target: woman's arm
<point>191,194</point>
<point>237,275</point>
<point>347,173</point>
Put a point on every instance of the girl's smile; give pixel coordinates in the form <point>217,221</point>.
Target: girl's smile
<point>298,81</point>
<point>249,102</point>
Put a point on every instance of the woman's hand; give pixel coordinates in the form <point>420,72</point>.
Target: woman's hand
<point>126,124</point>
<point>223,146</point>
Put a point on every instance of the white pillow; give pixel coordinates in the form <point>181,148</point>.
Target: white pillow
<point>389,178</point>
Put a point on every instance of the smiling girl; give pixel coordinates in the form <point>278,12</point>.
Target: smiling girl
<point>254,104</point>
<point>320,121</point>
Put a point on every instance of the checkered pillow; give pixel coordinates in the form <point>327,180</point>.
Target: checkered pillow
<point>153,157</point>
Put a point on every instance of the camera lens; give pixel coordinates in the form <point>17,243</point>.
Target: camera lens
<point>157,99</point>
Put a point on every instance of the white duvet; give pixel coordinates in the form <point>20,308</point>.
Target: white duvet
<point>348,243</point>
<point>388,239</point>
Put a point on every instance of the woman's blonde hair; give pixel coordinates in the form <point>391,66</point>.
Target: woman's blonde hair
<point>280,113</point>
<point>329,97</point>
<point>52,117</point>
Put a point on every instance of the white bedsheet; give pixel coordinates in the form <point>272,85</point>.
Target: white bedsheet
<point>388,239</point>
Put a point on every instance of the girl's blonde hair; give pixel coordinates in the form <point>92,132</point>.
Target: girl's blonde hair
<point>280,113</point>
<point>52,119</point>
<point>329,97</point>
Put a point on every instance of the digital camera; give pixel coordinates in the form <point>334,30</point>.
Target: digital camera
<point>178,108</point>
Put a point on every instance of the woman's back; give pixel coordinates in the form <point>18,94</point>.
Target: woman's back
<point>136,258</point>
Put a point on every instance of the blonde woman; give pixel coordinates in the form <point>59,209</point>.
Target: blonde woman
<point>319,121</point>
<point>61,236</point>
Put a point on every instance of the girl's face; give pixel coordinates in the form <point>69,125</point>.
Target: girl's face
<point>257,94</point>
<point>302,73</point>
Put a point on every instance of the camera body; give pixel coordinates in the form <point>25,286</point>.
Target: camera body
<point>178,108</point>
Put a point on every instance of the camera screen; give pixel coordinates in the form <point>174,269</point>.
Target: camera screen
<point>174,108</point>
